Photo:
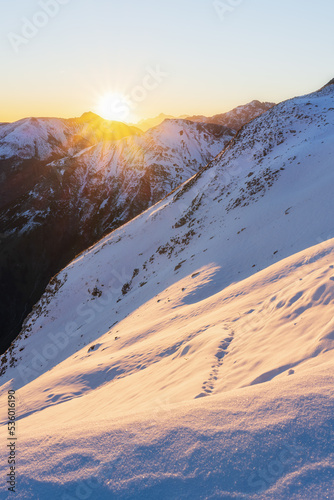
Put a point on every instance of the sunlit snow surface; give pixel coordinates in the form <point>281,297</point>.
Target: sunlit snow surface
<point>189,354</point>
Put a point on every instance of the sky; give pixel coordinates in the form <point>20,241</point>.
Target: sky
<point>134,59</point>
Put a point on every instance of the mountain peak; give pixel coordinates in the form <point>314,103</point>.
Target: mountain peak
<point>106,129</point>
<point>90,116</point>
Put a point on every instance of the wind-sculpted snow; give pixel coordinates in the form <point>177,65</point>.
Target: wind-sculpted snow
<point>227,395</point>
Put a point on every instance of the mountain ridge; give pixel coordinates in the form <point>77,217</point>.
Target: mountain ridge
<point>56,206</point>
<point>233,119</point>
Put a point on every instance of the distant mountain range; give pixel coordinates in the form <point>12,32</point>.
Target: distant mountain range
<point>233,119</point>
<point>236,118</point>
<point>153,122</point>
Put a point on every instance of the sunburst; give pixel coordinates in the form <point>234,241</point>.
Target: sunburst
<point>115,106</point>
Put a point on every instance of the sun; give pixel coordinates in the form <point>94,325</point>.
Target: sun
<point>115,106</point>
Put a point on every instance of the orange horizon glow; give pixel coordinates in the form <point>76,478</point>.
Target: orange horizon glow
<point>109,104</point>
<point>113,108</point>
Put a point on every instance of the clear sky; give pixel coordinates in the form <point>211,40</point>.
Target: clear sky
<point>144,57</point>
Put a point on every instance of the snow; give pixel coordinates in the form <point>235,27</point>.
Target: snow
<point>189,354</point>
<point>171,145</point>
<point>128,412</point>
<point>29,137</point>
<point>44,138</point>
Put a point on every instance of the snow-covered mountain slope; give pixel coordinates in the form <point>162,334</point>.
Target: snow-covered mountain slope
<point>28,145</point>
<point>155,163</point>
<point>189,396</point>
<point>69,203</point>
<point>34,137</point>
<point>42,138</point>
<point>189,354</point>
<point>237,117</point>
